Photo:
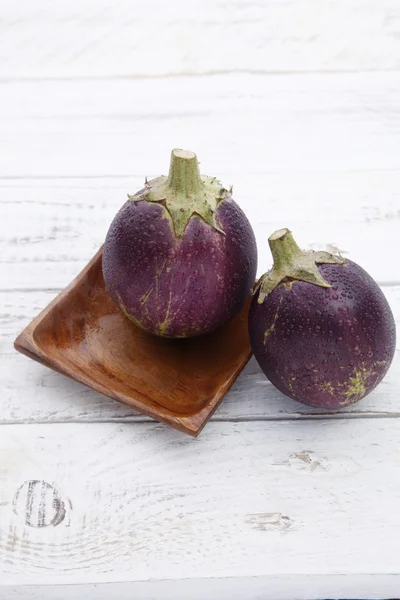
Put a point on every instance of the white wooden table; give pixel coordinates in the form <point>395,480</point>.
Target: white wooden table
<point>295,102</point>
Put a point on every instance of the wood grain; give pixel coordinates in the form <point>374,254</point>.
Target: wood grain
<point>32,393</point>
<point>51,228</point>
<point>260,124</point>
<point>271,587</point>
<point>283,498</point>
<point>290,506</point>
<point>324,159</point>
<point>82,334</point>
<point>108,39</point>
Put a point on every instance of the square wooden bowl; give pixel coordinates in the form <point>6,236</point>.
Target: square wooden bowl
<point>82,334</point>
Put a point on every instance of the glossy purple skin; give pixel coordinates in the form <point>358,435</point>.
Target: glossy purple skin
<point>179,287</point>
<point>325,347</point>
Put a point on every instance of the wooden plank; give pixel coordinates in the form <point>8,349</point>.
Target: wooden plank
<point>33,393</point>
<point>122,503</point>
<point>295,587</point>
<point>51,228</point>
<point>86,39</point>
<point>238,124</point>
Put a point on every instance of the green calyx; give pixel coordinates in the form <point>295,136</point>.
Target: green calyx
<point>185,193</point>
<point>292,263</point>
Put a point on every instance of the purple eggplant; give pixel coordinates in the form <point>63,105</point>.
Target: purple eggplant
<point>320,327</point>
<point>180,257</point>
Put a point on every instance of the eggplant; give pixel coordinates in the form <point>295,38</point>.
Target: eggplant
<point>320,327</point>
<point>180,257</point>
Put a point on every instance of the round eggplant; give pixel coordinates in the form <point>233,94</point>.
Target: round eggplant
<point>320,327</point>
<point>180,257</point>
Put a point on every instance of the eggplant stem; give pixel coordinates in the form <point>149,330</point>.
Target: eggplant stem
<point>292,263</point>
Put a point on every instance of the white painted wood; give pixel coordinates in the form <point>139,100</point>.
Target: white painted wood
<point>32,393</point>
<point>148,38</point>
<point>325,159</point>
<point>284,504</point>
<point>295,587</point>
<point>51,228</point>
<point>248,499</point>
<point>236,123</point>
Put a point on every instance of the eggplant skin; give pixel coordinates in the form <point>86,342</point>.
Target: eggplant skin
<point>324,347</point>
<point>179,287</point>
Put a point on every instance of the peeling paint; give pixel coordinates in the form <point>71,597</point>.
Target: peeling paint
<point>270,521</point>
<point>308,458</point>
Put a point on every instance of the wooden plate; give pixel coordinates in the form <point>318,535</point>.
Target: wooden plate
<point>82,334</point>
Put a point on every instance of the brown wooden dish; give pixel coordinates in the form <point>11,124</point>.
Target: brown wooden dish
<point>82,334</point>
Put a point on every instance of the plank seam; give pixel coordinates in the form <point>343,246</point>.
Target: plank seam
<point>194,74</point>
<point>145,421</point>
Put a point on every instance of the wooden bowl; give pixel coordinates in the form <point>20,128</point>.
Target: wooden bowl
<point>83,334</point>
